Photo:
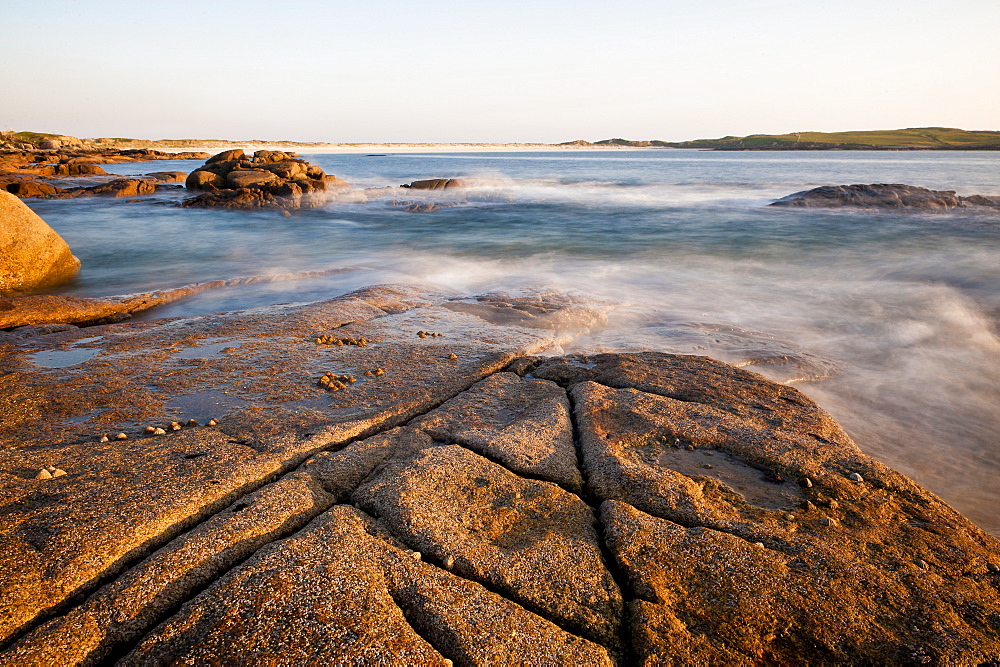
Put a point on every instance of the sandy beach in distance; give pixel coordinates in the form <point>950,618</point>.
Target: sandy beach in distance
<point>210,147</point>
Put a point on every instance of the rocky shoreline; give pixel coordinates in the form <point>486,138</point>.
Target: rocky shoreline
<point>459,498</point>
<point>43,173</point>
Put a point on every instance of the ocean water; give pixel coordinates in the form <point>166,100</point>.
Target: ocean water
<point>887,320</point>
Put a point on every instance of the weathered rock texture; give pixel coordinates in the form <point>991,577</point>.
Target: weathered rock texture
<point>32,255</point>
<point>884,196</point>
<point>436,508</point>
<point>269,179</point>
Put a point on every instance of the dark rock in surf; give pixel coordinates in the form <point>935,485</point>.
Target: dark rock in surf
<point>884,196</point>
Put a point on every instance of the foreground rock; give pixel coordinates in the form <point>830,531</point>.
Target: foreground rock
<point>269,179</point>
<point>32,255</point>
<point>428,506</point>
<point>884,196</point>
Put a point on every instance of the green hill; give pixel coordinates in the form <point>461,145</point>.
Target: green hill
<point>941,138</point>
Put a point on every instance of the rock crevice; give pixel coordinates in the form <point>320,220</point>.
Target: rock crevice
<point>702,513</point>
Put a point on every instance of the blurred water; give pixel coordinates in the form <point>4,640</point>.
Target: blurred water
<point>888,320</point>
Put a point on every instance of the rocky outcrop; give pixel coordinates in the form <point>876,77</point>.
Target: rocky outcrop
<point>118,187</point>
<point>453,500</point>
<point>884,196</point>
<point>269,179</point>
<point>454,183</point>
<point>32,255</point>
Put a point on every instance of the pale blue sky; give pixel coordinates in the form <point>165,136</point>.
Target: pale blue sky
<point>500,71</point>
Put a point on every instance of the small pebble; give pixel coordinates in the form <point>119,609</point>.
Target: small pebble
<point>104,438</point>
<point>58,472</point>
<point>379,371</point>
<point>922,564</point>
<point>150,429</point>
<point>192,422</point>
<point>690,448</point>
<point>50,468</point>
<point>790,517</point>
<point>759,544</point>
<point>806,483</point>
<point>449,562</point>
<point>369,373</point>
<point>833,504</point>
<point>211,422</point>
<point>453,356</point>
<point>828,521</point>
<point>174,426</point>
<point>121,436</point>
<point>416,555</point>
<point>159,431</point>
<point>707,465</point>
<point>43,474</point>
<point>855,477</point>
<point>993,567</point>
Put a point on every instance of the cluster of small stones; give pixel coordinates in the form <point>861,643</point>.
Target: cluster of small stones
<point>158,430</point>
<point>330,340</point>
<point>333,382</point>
<point>375,373</point>
<point>429,334</point>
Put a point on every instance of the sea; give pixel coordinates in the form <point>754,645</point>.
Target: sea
<point>888,320</point>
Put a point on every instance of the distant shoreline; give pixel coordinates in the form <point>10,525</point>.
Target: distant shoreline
<point>378,149</point>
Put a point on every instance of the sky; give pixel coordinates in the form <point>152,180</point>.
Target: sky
<point>512,71</point>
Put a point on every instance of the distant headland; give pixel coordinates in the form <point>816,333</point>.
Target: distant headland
<point>916,138</point>
<point>913,138</point>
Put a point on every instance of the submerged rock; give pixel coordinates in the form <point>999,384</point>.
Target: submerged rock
<point>884,196</point>
<point>437,512</point>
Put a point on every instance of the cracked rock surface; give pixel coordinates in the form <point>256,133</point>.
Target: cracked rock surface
<point>470,503</point>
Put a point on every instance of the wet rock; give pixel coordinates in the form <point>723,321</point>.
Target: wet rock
<point>124,187</point>
<point>884,196</point>
<point>167,176</point>
<point>32,255</point>
<point>25,189</point>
